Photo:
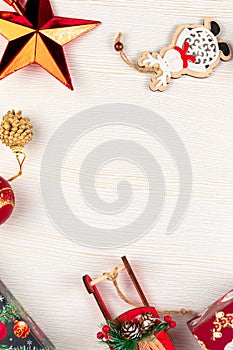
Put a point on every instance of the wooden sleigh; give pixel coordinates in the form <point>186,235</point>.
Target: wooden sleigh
<point>160,340</point>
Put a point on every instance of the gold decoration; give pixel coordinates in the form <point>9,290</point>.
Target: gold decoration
<point>221,322</point>
<point>15,132</point>
<point>21,329</point>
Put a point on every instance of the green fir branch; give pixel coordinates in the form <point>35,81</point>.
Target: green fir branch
<point>9,313</point>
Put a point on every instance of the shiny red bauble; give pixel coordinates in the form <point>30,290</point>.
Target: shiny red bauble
<point>3,331</point>
<point>21,329</point>
<point>7,200</point>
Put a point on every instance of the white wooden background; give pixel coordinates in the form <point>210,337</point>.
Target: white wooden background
<point>190,268</point>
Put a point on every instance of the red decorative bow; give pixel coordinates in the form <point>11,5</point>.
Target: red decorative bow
<point>184,56</point>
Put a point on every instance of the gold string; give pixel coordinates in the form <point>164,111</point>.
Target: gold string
<point>176,312</point>
<point>112,276</point>
<point>126,59</point>
<point>20,162</point>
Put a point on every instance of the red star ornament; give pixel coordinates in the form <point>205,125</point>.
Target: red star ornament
<point>35,35</point>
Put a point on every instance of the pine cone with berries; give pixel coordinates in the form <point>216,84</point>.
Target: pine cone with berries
<point>146,322</point>
<point>131,330</point>
<point>15,130</point>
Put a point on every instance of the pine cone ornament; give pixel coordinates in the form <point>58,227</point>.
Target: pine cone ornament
<point>15,130</point>
<point>146,322</point>
<point>131,330</point>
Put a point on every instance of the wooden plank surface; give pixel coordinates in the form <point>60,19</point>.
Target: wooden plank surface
<point>190,268</point>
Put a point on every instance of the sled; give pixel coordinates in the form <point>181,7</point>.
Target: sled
<point>160,340</point>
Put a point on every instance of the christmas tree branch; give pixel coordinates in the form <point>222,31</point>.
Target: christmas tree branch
<point>8,313</point>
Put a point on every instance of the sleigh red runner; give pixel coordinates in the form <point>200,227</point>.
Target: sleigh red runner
<point>213,329</point>
<point>137,329</point>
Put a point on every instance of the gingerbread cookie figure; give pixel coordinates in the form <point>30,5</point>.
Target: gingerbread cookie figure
<point>195,50</point>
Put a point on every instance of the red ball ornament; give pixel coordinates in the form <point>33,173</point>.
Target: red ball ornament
<point>172,324</point>
<point>100,335</point>
<point>21,329</point>
<point>106,329</point>
<point>7,200</point>
<point>3,331</point>
<point>167,318</point>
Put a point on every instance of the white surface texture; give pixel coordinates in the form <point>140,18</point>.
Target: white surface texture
<point>189,268</point>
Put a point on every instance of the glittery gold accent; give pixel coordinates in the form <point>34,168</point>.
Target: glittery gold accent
<point>221,322</point>
<point>15,130</point>
<point>3,203</point>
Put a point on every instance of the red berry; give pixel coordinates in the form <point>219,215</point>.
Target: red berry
<point>167,318</point>
<point>106,329</point>
<point>100,335</point>
<point>172,324</point>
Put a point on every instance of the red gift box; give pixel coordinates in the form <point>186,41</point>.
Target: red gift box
<point>213,329</point>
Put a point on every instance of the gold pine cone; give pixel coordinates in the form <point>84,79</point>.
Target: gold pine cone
<point>15,130</point>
